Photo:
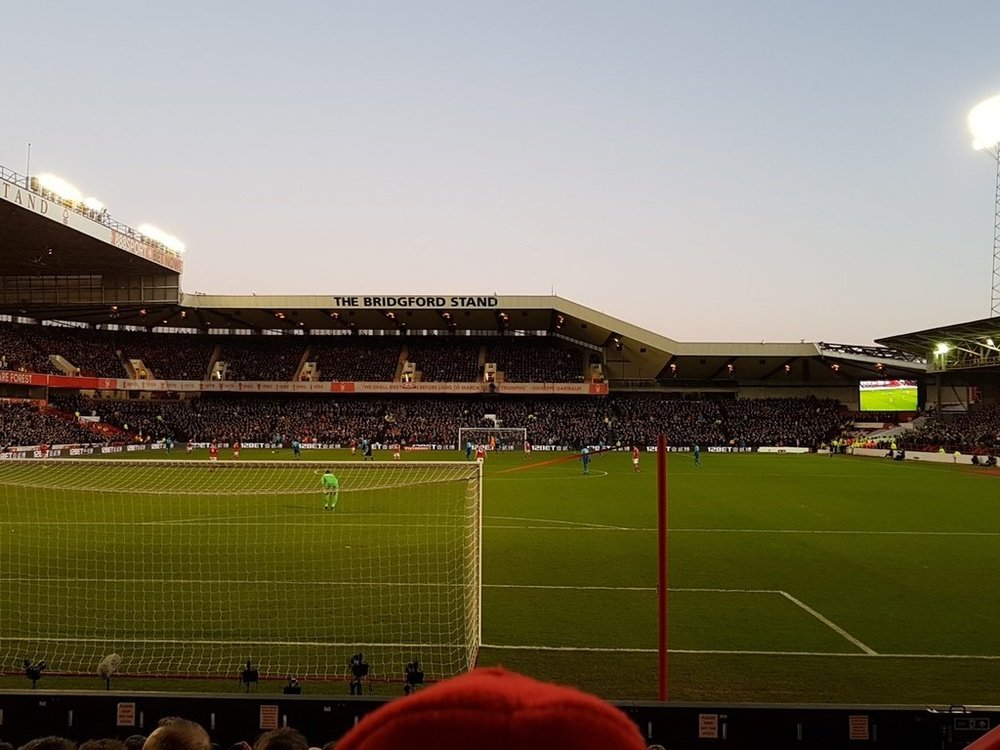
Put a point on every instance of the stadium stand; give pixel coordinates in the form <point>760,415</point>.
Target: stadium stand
<point>26,424</point>
<point>169,356</point>
<point>369,359</point>
<point>567,421</point>
<point>974,431</point>
<point>529,362</point>
<point>441,362</point>
<point>273,358</point>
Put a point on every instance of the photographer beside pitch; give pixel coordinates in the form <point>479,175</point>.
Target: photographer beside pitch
<point>331,490</point>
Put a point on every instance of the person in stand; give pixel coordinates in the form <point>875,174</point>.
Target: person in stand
<point>585,459</point>
<point>635,458</point>
<point>331,490</point>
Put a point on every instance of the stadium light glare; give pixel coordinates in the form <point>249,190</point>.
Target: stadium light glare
<point>158,235</point>
<point>93,204</point>
<point>942,348</point>
<point>59,187</point>
<point>984,123</point>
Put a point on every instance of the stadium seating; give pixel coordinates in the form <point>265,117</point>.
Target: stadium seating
<point>977,430</point>
<point>445,362</point>
<point>367,359</point>
<point>620,419</point>
<point>530,362</point>
<point>26,424</point>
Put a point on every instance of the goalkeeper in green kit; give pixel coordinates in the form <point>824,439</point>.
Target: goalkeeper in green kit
<point>331,490</point>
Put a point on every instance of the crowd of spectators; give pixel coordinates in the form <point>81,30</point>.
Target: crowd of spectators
<point>530,362</point>
<point>26,424</point>
<point>273,358</point>
<point>975,431</point>
<point>570,421</point>
<point>369,359</point>
<point>183,356</point>
<point>168,356</point>
<point>445,361</point>
<point>175,733</point>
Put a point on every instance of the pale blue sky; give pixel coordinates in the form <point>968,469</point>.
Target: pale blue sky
<point>711,171</point>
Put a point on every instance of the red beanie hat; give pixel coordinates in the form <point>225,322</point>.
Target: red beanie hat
<point>493,709</point>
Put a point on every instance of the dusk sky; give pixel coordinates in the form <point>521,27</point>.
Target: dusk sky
<point>711,171</point>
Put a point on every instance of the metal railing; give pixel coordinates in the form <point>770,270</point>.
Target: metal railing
<point>101,217</point>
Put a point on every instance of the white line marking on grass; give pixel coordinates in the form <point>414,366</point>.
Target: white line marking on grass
<point>857,532</point>
<point>555,521</point>
<point>829,623</point>
<point>627,588</point>
<point>737,652</point>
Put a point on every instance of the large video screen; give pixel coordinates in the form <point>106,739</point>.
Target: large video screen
<point>888,395</point>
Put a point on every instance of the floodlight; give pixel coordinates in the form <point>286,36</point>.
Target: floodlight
<point>984,123</point>
<point>93,204</point>
<point>158,235</point>
<point>59,187</point>
<point>942,348</point>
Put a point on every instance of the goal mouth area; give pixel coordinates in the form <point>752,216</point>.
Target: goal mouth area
<point>187,568</point>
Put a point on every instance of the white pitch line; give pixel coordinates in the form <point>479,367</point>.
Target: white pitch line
<point>563,522</point>
<point>737,652</point>
<point>857,532</point>
<point>829,623</point>
<point>354,521</point>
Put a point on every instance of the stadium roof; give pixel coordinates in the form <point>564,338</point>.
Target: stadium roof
<point>47,246</point>
<point>960,346</point>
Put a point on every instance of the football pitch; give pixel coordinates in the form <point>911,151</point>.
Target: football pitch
<point>794,578</point>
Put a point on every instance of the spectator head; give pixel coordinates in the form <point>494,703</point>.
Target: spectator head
<point>492,709</point>
<point>178,734</point>
<point>103,744</point>
<point>49,743</point>
<point>135,741</point>
<point>284,738</point>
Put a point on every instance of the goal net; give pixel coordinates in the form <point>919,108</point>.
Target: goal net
<point>190,568</point>
<point>507,438</point>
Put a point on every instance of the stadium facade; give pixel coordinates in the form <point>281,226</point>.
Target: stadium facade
<point>62,262</point>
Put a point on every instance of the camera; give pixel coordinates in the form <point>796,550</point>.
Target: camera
<point>414,676</point>
<point>359,670</point>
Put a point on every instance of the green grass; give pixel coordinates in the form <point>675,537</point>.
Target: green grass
<point>793,578</point>
<point>889,399</point>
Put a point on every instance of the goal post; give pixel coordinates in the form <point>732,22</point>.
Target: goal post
<point>507,438</point>
<point>192,568</point>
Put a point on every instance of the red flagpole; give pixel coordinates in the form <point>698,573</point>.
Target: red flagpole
<point>663,588</point>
